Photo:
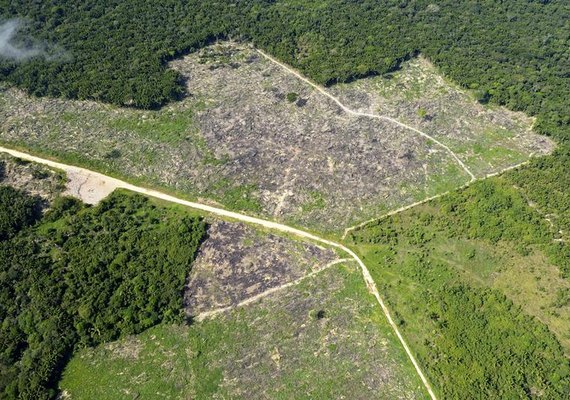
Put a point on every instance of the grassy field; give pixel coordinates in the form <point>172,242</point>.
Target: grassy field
<point>325,338</point>
<point>474,284</point>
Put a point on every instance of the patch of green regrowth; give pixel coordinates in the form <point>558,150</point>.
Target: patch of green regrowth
<point>154,363</point>
<point>236,197</point>
<point>422,113</point>
<point>167,126</point>
<point>474,279</point>
<point>316,201</point>
<point>292,97</point>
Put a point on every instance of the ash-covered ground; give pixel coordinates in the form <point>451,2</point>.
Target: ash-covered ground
<point>237,262</point>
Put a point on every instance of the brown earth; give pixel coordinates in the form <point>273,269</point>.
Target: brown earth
<point>237,262</point>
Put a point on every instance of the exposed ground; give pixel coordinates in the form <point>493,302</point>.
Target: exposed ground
<point>237,262</point>
<point>32,178</point>
<point>254,137</point>
<point>485,138</point>
<point>324,338</point>
<point>90,188</point>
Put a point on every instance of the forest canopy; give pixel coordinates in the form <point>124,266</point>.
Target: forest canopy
<point>514,53</point>
<point>83,276</point>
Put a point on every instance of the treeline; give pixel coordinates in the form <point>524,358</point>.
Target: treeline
<point>82,276</point>
<point>472,340</point>
<point>513,53</point>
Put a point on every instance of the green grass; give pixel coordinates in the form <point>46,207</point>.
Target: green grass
<point>164,126</point>
<point>316,202</point>
<point>153,364</point>
<point>476,290</point>
<point>277,348</point>
<point>235,197</point>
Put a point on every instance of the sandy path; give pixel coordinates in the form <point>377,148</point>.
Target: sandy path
<point>252,299</point>
<point>93,184</point>
<point>361,114</point>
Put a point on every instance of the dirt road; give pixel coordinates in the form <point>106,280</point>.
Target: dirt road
<point>361,114</point>
<point>93,185</point>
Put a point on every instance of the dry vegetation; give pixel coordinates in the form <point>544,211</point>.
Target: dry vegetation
<point>486,138</point>
<point>255,138</point>
<point>236,262</point>
<point>32,178</point>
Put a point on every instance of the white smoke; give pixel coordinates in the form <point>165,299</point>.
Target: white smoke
<point>23,48</point>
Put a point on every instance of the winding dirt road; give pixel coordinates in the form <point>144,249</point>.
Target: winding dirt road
<point>361,114</point>
<point>109,184</point>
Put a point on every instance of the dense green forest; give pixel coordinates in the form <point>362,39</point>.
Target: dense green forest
<point>512,52</point>
<point>437,265</point>
<point>79,276</point>
<point>17,211</point>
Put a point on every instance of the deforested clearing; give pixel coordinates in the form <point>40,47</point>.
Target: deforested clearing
<point>256,138</point>
<point>325,338</point>
<point>486,138</point>
<point>237,262</point>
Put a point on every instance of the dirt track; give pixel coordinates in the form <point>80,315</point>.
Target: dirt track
<point>362,114</point>
<point>109,182</point>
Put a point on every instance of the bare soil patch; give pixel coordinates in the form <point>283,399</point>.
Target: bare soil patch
<point>89,188</point>
<point>237,262</point>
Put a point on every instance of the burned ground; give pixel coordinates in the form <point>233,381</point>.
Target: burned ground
<point>237,262</point>
<point>255,138</point>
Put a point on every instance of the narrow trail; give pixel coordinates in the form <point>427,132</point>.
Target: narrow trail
<point>209,314</point>
<point>117,183</point>
<point>362,114</point>
<point>427,199</point>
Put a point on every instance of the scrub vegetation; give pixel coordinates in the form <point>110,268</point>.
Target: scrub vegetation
<point>479,284</point>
